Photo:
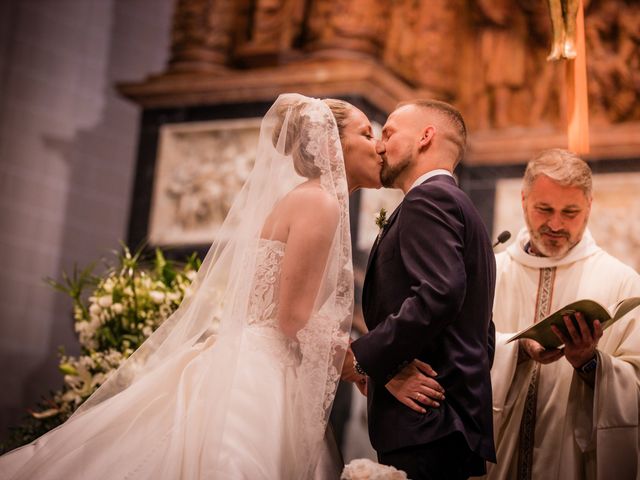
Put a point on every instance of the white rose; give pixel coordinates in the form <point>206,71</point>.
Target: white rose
<point>94,309</point>
<point>98,379</point>
<point>117,308</point>
<point>156,296</point>
<point>173,296</point>
<point>108,285</point>
<point>105,301</point>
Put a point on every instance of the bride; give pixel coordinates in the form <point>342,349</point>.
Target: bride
<point>250,400</point>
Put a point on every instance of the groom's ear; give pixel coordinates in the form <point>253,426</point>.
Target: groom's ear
<point>427,136</point>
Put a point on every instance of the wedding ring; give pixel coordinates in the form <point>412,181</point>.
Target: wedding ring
<point>419,397</point>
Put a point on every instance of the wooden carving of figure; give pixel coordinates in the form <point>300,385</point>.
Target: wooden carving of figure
<point>401,44</point>
<point>544,80</point>
<point>268,21</point>
<point>614,81</point>
<point>348,27</point>
<point>563,21</point>
<point>502,54</point>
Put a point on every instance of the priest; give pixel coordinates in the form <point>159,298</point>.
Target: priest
<point>572,412</point>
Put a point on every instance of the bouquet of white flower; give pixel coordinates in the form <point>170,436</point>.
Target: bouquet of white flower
<point>124,307</point>
<point>365,469</point>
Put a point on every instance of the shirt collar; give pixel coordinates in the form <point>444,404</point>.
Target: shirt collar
<point>425,176</point>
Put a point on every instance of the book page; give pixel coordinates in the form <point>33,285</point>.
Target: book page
<point>625,306</point>
<point>542,333</point>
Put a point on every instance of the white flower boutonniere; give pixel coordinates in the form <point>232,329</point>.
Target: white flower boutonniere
<point>381,218</point>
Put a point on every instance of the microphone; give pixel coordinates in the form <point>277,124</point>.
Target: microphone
<point>503,237</point>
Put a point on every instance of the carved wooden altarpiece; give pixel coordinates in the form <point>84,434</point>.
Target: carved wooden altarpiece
<point>231,58</point>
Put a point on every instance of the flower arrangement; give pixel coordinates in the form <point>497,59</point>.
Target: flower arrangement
<point>365,469</point>
<point>125,305</point>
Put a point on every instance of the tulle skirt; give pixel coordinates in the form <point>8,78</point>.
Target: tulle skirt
<point>185,420</point>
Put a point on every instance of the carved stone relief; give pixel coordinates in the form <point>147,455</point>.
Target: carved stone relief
<point>200,168</point>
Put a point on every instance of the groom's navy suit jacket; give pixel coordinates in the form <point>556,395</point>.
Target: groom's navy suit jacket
<point>428,294</point>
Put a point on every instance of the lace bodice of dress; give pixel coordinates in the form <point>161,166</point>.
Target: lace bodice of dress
<point>264,291</point>
<point>263,330</point>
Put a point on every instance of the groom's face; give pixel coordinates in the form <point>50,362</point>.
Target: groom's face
<point>396,148</point>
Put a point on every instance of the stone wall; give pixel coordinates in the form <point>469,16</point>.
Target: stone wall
<point>67,158</point>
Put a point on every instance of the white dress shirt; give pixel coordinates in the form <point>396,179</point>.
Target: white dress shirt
<point>422,178</point>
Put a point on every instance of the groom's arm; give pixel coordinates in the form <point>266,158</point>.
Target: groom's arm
<point>431,249</point>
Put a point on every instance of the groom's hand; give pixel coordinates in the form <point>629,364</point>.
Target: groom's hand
<point>415,386</point>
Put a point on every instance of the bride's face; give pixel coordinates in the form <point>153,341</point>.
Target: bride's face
<point>362,163</point>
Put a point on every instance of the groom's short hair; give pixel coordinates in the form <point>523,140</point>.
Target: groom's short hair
<point>458,132</point>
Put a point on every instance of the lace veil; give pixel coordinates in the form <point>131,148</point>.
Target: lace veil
<point>295,129</point>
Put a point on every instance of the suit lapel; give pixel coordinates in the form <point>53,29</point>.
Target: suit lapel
<point>379,238</point>
<point>384,231</point>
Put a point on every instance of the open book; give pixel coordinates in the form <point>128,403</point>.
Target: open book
<point>541,332</point>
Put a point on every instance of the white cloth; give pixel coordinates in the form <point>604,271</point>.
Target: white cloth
<point>425,176</point>
<point>580,432</point>
<point>245,402</point>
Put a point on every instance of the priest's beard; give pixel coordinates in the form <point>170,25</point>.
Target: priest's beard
<point>549,247</point>
<point>390,173</point>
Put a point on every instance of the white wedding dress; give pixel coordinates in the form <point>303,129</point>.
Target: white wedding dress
<point>158,428</point>
<point>245,401</point>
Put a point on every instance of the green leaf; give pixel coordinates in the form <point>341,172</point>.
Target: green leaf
<point>68,369</point>
<point>109,337</point>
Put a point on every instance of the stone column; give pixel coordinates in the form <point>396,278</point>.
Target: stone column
<point>202,35</point>
<point>347,28</point>
<point>270,33</point>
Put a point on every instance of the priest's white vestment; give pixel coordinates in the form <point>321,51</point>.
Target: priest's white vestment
<point>557,425</point>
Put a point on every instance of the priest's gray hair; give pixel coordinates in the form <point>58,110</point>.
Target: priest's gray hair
<point>561,166</point>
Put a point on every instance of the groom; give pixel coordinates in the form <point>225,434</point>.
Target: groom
<point>428,297</point>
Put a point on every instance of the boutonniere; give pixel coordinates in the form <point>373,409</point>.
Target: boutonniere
<point>381,219</point>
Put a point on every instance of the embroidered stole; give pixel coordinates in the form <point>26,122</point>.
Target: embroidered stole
<point>528,421</point>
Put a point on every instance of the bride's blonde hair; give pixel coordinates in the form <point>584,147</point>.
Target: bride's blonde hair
<point>298,129</point>
<point>340,110</point>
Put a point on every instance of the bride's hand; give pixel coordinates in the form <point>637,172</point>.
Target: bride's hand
<point>349,373</point>
<point>416,387</point>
